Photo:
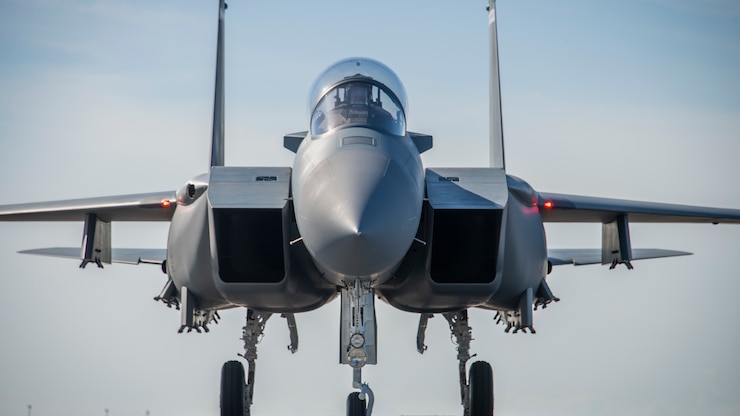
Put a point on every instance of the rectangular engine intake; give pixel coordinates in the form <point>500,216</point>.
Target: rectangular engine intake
<point>466,215</point>
<point>247,217</point>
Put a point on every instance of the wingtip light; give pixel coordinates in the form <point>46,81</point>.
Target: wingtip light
<point>166,203</point>
<point>548,204</point>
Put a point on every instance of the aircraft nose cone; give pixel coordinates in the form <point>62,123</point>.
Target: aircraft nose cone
<point>358,214</point>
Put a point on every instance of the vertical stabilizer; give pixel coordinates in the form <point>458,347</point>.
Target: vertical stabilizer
<point>496,125</point>
<point>217,139</point>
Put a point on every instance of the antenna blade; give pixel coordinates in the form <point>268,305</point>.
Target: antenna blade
<point>217,139</point>
<point>496,124</point>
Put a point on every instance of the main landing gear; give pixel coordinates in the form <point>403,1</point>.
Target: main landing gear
<point>476,391</point>
<point>358,348</point>
<point>236,392</point>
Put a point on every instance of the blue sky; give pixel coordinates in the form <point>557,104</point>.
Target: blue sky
<point>629,99</point>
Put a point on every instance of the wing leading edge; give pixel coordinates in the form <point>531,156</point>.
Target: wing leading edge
<point>577,208</point>
<point>156,206</point>
<point>97,215</point>
<point>615,216</point>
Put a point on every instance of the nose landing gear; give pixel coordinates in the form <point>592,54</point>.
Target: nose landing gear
<point>358,347</point>
<point>357,342</point>
<point>360,403</point>
<point>355,405</point>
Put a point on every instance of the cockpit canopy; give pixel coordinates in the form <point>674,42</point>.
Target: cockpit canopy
<point>358,92</point>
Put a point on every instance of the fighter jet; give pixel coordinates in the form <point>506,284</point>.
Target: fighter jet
<point>358,217</point>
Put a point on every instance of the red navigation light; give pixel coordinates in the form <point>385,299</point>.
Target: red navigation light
<point>548,204</point>
<point>166,203</point>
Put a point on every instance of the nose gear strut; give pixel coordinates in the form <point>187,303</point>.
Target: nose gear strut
<point>357,342</point>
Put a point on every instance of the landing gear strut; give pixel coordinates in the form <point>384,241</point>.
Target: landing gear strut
<point>357,342</point>
<point>236,394</point>
<point>476,392</point>
<point>252,334</point>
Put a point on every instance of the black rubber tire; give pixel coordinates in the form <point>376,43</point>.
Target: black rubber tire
<point>481,389</point>
<point>232,389</point>
<point>355,406</point>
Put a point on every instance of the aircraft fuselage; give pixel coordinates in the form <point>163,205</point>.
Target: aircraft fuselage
<point>358,195</point>
<point>357,204</point>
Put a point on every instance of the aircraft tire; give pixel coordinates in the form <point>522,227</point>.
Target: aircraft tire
<point>232,389</point>
<point>355,406</point>
<point>481,389</point>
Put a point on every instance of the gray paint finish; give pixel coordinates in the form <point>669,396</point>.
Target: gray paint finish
<point>137,207</point>
<point>461,188</point>
<point>343,215</point>
<point>577,208</point>
<point>236,187</point>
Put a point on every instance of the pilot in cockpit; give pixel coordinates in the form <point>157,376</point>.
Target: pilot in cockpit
<point>357,94</point>
<point>354,105</point>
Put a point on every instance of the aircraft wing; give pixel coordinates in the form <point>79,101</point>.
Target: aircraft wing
<point>133,256</point>
<point>576,208</point>
<point>156,206</point>
<point>615,216</point>
<point>584,256</point>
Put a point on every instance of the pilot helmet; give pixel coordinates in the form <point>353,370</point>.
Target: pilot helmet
<point>358,93</point>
